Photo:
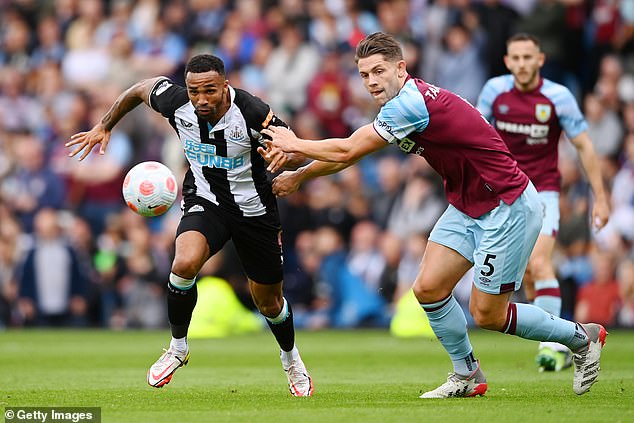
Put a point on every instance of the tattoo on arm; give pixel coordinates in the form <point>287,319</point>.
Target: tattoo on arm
<point>128,100</point>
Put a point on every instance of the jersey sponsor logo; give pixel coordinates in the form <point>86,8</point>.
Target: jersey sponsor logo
<point>160,89</point>
<point>406,145</point>
<point>383,125</point>
<point>186,124</point>
<point>211,160</point>
<point>536,141</point>
<point>533,130</point>
<point>542,112</point>
<point>205,155</point>
<point>197,147</point>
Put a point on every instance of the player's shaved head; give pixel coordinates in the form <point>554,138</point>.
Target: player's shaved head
<point>205,63</point>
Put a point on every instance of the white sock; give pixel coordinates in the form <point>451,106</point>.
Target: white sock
<point>288,356</point>
<point>179,344</point>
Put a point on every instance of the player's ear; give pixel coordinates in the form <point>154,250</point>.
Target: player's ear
<point>506,62</point>
<point>401,68</point>
<point>541,59</point>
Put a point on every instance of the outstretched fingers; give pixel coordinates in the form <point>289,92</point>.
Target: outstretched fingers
<point>84,142</point>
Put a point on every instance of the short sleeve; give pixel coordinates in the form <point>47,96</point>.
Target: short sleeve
<point>570,117</point>
<point>402,115</point>
<point>491,90</point>
<point>166,97</point>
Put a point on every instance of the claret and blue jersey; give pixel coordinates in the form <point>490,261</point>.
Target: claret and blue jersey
<point>476,166</point>
<point>531,124</point>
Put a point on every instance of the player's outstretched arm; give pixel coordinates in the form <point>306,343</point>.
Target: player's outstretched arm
<point>84,142</point>
<point>288,182</point>
<point>590,163</point>
<point>363,141</point>
<point>278,159</point>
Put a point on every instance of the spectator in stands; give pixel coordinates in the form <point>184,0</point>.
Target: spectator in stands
<point>32,185</point>
<point>604,127</point>
<point>18,109</point>
<point>462,51</point>
<point>625,276</point>
<point>142,288</point>
<point>9,256</point>
<point>46,297</point>
<point>298,61</point>
<point>599,300</point>
<point>327,96</point>
<point>364,257</point>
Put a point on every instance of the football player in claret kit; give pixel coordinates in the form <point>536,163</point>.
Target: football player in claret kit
<point>530,113</point>
<point>491,224</point>
<point>226,196</point>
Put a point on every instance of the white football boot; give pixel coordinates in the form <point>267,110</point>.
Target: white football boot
<point>162,371</point>
<point>458,386</point>
<point>587,358</point>
<point>299,381</point>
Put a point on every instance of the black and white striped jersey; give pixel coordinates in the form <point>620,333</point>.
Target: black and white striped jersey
<point>224,165</point>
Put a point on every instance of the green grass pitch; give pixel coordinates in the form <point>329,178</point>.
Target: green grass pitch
<point>360,376</point>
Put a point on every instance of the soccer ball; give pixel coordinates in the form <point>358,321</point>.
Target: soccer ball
<point>150,188</point>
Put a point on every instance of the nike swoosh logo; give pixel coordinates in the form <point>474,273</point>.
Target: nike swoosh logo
<point>160,375</point>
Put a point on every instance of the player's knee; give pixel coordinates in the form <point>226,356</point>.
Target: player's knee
<point>426,293</point>
<point>537,265</point>
<point>269,307</point>
<point>487,319</point>
<point>185,267</point>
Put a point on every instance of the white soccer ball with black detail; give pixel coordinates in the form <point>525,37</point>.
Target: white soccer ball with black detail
<point>150,188</point>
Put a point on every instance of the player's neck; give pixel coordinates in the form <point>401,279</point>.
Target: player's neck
<point>213,120</point>
<point>222,110</point>
<point>530,86</point>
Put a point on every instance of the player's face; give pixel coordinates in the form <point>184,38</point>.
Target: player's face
<point>524,59</point>
<point>208,93</point>
<point>383,79</point>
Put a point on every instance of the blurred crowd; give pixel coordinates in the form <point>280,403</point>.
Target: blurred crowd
<point>71,254</point>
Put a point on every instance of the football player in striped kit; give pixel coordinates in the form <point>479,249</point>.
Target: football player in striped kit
<point>226,195</point>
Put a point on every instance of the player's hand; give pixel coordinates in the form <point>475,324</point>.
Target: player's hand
<point>283,138</point>
<point>600,214</point>
<point>286,183</point>
<point>275,157</point>
<point>87,140</point>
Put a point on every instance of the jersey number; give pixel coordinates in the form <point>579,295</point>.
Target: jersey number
<point>488,264</point>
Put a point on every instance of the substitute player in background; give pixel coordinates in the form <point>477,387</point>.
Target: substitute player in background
<point>226,196</point>
<point>530,112</point>
<point>492,222</point>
